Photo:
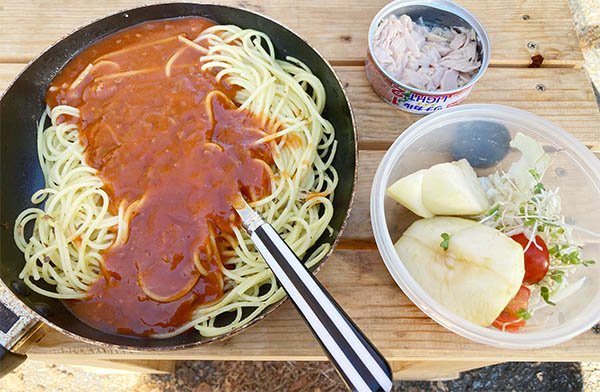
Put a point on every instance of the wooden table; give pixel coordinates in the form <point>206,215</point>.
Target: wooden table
<point>356,276</point>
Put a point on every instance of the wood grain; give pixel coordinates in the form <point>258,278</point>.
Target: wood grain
<point>140,366</point>
<point>567,100</point>
<point>361,284</point>
<point>434,370</point>
<point>337,28</point>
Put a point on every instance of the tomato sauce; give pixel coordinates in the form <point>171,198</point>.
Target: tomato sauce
<point>169,144</point>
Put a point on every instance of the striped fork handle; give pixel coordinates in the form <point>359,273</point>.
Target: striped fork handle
<point>359,363</point>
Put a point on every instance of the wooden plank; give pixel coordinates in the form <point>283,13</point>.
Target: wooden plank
<point>116,366</point>
<point>359,223</point>
<point>567,100</point>
<point>8,72</point>
<point>337,28</point>
<point>143,366</point>
<point>362,285</point>
<point>434,370</point>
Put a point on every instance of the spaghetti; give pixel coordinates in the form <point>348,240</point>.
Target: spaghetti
<point>80,228</point>
<point>75,226</point>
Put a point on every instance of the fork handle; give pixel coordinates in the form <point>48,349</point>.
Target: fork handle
<point>357,360</point>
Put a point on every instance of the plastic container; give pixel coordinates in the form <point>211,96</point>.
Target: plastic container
<point>574,169</point>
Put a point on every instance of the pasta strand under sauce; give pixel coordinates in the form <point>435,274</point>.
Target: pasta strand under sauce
<point>173,153</point>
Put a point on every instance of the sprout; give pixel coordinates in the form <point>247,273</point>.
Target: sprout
<point>445,241</point>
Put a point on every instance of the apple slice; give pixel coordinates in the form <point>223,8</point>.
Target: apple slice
<point>476,273</point>
<point>407,191</point>
<point>453,189</point>
<point>533,157</point>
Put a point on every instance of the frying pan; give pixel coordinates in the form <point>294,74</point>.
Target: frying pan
<point>23,313</point>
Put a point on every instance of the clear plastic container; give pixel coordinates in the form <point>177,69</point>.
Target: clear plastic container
<point>574,169</point>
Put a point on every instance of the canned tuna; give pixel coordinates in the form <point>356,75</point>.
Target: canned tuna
<point>441,13</point>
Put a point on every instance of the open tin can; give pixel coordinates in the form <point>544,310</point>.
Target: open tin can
<point>440,13</point>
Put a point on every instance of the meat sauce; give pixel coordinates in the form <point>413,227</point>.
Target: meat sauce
<point>172,146</point>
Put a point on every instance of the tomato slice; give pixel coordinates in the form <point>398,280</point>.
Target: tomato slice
<point>537,261</point>
<point>509,319</point>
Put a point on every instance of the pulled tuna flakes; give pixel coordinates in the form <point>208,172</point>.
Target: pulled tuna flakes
<point>431,59</point>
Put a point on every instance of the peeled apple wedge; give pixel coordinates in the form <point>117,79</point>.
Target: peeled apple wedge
<point>475,278</point>
<point>453,189</point>
<point>407,191</point>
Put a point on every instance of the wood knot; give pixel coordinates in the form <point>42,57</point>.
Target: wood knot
<point>536,61</point>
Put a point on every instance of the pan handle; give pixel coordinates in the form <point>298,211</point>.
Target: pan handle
<point>19,329</point>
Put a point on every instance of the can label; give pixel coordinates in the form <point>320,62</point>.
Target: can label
<point>406,99</point>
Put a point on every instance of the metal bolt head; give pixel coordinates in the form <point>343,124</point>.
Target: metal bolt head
<point>540,87</point>
<point>531,45</point>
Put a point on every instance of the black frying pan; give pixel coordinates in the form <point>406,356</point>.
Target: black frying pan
<point>22,311</point>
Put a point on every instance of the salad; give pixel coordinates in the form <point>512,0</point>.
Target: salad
<point>531,215</point>
<point>495,249</point>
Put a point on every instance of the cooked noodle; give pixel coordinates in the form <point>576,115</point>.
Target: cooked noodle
<point>74,227</point>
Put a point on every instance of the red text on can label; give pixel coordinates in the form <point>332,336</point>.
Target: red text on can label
<point>406,99</point>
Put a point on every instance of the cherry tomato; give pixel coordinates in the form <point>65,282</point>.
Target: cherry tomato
<point>537,260</point>
<point>509,319</point>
